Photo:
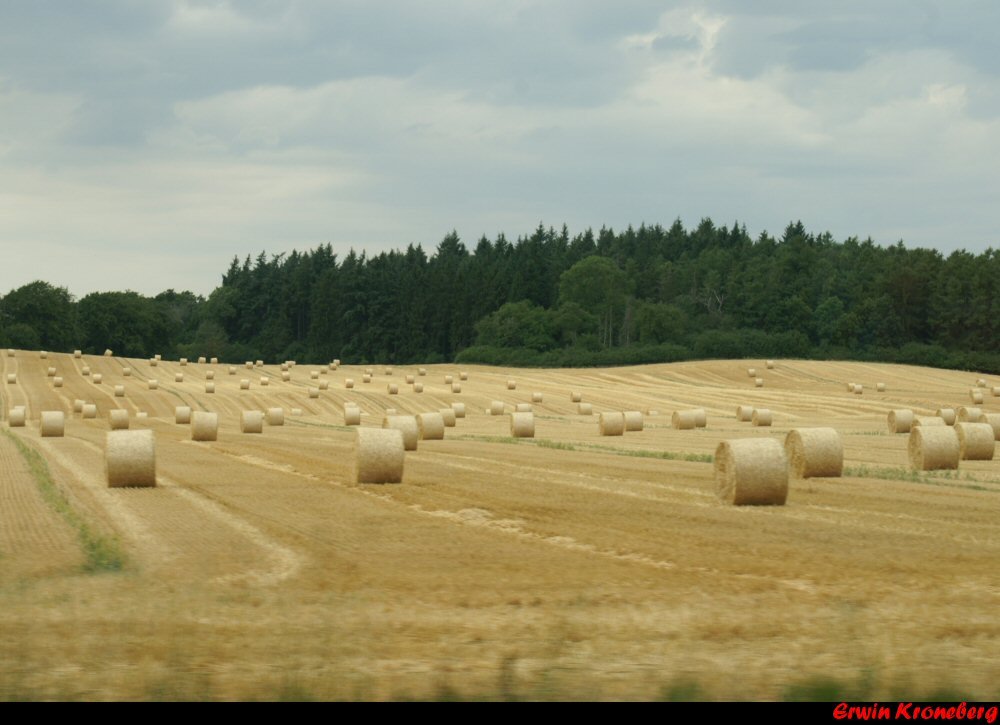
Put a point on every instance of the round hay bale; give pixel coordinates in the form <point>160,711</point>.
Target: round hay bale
<point>157,357</point>
<point>388,371</point>
<point>204,426</point>
<point>584,409</point>
<point>850,387</point>
<point>324,384</point>
<point>10,352</point>
<point>89,411</point>
<point>448,416</point>
<point>459,409</point>
<point>130,459</point>
<point>119,391</point>
<point>57,382</point>
<point>900,421</point>
<point>369,371</point>
<point>11,378</point>
<point>78,354</point>
<point>880,387</point>
<point>744,413</point>
<point>183,362</point>
<point>153,362</point>
<point>927,420</point>
<point>210,375</point>
<point>536,397</point>
<point>758,382</point>
<point>232,369</point>
<point>751,472</point>
<point>214,361</point>
<point>496,407</point>
<point>366,378</point>
<point>421,371</point>
<point>201,360</point>
<point>463,376</point>
<point>43,354</point>
<point>352,415</point>
<point>815,453</point>
<point>314,375</point>
<point>967,414</point>
<point>379,454</point>
<point>995,391</point>
<point>407,425</point>
<point>323,371</point>
<point>285,377</point>
<point>17,417</point>
<point>313,393</point>
<point>119,419</point>
<point>409,379</point>
<point>127,372</point>
<point>770,364</point>
<point>752,372</point>
<point>947,415</point>
<point>179,377</point>
<point>456,387</point>
<point>251,421</point>
<point>248,365</point>
<point>700,418</point>
<point>511,385</point>
<point>611,424</point>
<point>182,415</point>
<point>265,381</point>
<point>761,417</point>
<point>258,363</point>
<point>993,420</point>
<point>392,389</point>
<point>683,420</point>
<point>53,424</point>
<point>981,383</point>
<point>522,425</point>
<point>108,353</point>
<point>210,388</point>
<point>97,378</point>
<point>50,372</point>
<point>244,384</point>
<point>976,441</point>
<point>284,367</point>
<point>859,389</point>
<point>575,397</point>
<point>522,408</point>
<point>418,387</point>
<point>633,420</point>
<point>431,426</point>
<point>349,383</point>
<point>448,379</point>
<point>933,448</point>
<point>275,416</point>
<point>78,405</point>
<point>85,371</point>
<point>976,396</point>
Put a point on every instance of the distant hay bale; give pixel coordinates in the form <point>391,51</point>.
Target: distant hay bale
<point>285,377</point>
<point>53,424</point>
<point>976,396</point>
<point>78,354</point>
<point>611,424</point>
<point>204,426</point>
<point>178,377</point>
<point>119,391</point>
<point>633,420</point>
<point>850,387</point>
<point>323,371</point>
<point>349,383</point>
<point>448,416</point>
<point>900,421</point>
<point>275,416</point>
<point>976,441</point>
<point>770,364</point>
<point>366,378</point>
<point>456,387</point>
<point>968,414</point>
<point>210,375</point>
<point>352,415</point>
<point>459,409</point>
<point>324,384</point>
<point>244,384</point>
<point>182,415</point>
<point>11,378</point>
<point>201,360</point>
<point>859,389</point>
<point>933,448</point>
<point>683,420</point>
<point>431,426</point>
<point>127,372</point>
<point>210,388</point>
<point>496,407</point>
<point>292,363</point>
<point>251,421</point>
<point>232,370</point>
<point>108,353</point>
<point>993,420</point>
<point>744,413</point>
<point>418,387</point>
<point>511,385</point>
<point>880,387</point>
<point>409,379</point>
<point>421,371</point>
<point>575,397</point>
<point>89,411</point>
<point>947,415</point>
<point>265,381</point>
<point>119,419</point>
<point>248,365</point>
<point>584,409</point>
<point>758,382</point>
<point>258,363</point>
<point>392,389</point>
<point>284,367</point>
<point>751,472</point>
<point>815,453</point>
<point>536,397</point>
<point>379,454</point>
<point>10,352</point>
<point>157,357</point>
<point>981,383</point>
<point>183,362</point>
<point>522,425</point>
<point>17,417</point>
<point>407,425</point>
<point>369,371</point>
<point>97,378</point>
<point>752,372</point>
<point>523,408</point>
<point>700,418</point>
<point>463,375</point>
<point>85,370</point>
<point>448,379</point>
<point>314,393</point>
<point>928,420</point>
<point>214,361</point>
<point>388,371</point>
<point>153,362</point>
<point>43,355</point>
<point>78,405</point>
<point>314,375</point>
<point>130,459</point>
<point>761,417</point>
<point>50,372</point>
<point>995,391</point>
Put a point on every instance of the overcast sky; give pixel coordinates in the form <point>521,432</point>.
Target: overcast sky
<point>144,143</point>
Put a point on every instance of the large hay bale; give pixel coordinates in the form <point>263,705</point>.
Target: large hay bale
<point>204,426</point>
<point>349,383</point>
<point>611,423</point>
<point>251,421</point>
<point>459,409</point>
<point>761,417</point>
<point>50,372</point>
<point>947,415</point>
<point>511,385</point>
<point>57,381</point>
<point>536,397</point>
<point>522,425</point>
<point>448,416</point>
<point>178,377</point>
<point>758,382</point>
<point>324,384</point>
<point>976,396</point>
<point>183,362</point>
<point>97,378</point>
<point>210,388</point>
<point>314,393</point>
<point>85,371</point>
<point>575,397</point>
<point>53,424</point>
<point>118,419</point>
<point>770,364</point>
<point>633,420</point>
<point>11,378</point>
<point>352,415</point>
<point>993,420</point>
<point>275,416</point>
<point>244,384</point>
<point>928,420</point>
<point>700,418</point>
<point>17,417</point>
<point>448,379</point>
<point>366,378</point>
<point>285,377</point>
<point>900,421</point>
<point>523,408</point>
<point>584,409</point>
<point>130,459</point>
<point>683,420</point>
<point>976,441</point>
<point>933,448</point>
<point>815,453</point>
<point>462,375</point>
<point>880,387</point>
<point>418,387</point>
<point>859,389</point>
<point>409,379</point>
<point>751,472</point>
<point>119,391</point>
<point>265,381</point>
<point>744,413</point>
<point>496,407</point>
<point>407,425</point>
<point>752,372</point>
<point>968,414</point>
<point>379,454</point>
<point>127,372</point>
<point>421,371</point>
<point>456,387</point>
<point>89,411</point>
<point>392,389</point>
<point>431,426</point>
<point>210,375</point>
<point>182,415</point>
<point>78,405</point>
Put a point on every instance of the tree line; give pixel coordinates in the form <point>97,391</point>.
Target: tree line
<point>646,294</point>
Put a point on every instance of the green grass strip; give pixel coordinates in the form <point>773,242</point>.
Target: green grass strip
<point>104,553</point>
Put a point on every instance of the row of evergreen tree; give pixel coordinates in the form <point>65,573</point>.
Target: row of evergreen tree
<point>643,294</point>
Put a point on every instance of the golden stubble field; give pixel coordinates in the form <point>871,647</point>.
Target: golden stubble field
<point>570,566</point>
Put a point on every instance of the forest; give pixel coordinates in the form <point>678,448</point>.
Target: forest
<point>639,295</point>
